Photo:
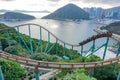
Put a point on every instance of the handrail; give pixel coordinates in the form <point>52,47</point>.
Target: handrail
<point>57,65</point>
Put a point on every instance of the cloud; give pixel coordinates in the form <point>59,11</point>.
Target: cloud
<point>6,0</point>
<point>92,2</point>
<point>52,5</point>
<point>54,0</point>
<point>104,2</point>
<point>74,0</point>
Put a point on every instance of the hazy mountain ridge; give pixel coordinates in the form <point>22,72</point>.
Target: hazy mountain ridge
<point>25,11</point>
<point>15,16</point>
<point>69,11</point>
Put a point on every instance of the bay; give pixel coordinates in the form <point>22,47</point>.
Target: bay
<point>69,31</point>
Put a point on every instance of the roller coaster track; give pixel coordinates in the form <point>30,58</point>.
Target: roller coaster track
<point>75,45</point>
<point>58,65</point>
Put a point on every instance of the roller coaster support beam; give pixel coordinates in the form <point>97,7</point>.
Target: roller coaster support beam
<point>106,45</point>
<point>19,35</point>
<point>118,78</point>
<point>56,46</point>
<point>1,74</point>
<point>37,75</point>
<point>81,50</point>
<point>8,38</point>
<point>91,72</point>
<point>41,39</point>
<point>118,51</point>
<point>30,39</point>
<point>93,47</point>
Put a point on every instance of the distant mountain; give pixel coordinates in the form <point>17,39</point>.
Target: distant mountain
<point>15,16</point>
<point>69,11</point>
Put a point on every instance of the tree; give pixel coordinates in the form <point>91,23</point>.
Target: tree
<point>11,70</point>
<point>78,74</point>
<point>45,57</point>
<point>4,43</point>
<point>11,49</point>
<point>109,72</point>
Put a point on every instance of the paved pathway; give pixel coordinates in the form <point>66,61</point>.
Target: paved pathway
<point>49,75</point>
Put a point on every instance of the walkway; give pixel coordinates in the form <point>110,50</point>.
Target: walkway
<point>49,75</point>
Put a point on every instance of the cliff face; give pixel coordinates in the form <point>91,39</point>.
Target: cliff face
<point>69,11</point>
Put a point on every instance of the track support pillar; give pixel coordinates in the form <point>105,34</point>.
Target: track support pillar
<point>37,75</point>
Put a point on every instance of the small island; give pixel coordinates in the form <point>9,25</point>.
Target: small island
<point>70,12</point>
<point>15,16</point>
<point>113,27</point>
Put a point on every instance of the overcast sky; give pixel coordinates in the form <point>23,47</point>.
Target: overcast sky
<point>51,5</point>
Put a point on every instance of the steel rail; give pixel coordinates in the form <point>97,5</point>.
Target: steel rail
<point>57,65</point>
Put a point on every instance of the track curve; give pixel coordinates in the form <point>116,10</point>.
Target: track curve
<point>57,65</point>
<point>3,29</point>
<point>107,34</point>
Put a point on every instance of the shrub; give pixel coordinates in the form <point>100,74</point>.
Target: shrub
<point>45,57</point>
<point>4,43</point>
<point>11,49</point>
<point>108,72</point>
<point>93,58</point>
<point>11,70</point>
<point>78,74</point>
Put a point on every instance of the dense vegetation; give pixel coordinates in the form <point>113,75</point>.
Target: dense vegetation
<point>16,16</point>
<point>113,27</point>
<point>109,72</point>
<point>69,11</point>
<point>77,74</point>
<point>11,70</point>
<point>45,57</point>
